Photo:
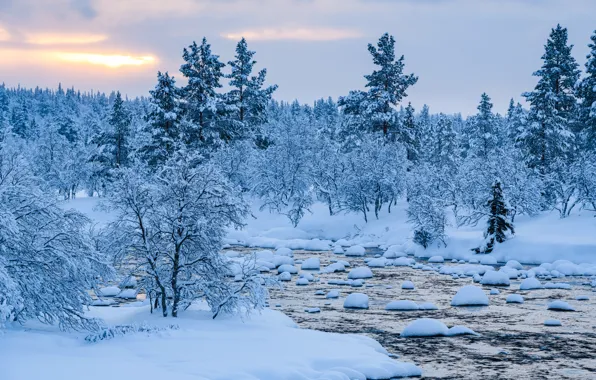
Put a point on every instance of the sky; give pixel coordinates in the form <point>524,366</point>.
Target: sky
<point>311,48</point>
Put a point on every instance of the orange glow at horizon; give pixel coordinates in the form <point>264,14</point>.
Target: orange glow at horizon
<point>298,34</point>
<point>109,60</point>
<point>4,35</point>
<point>66,39</point>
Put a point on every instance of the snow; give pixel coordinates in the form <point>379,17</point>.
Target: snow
<point>302,282</point>
<point>409,285</point>
<point>494,292</point>
<point>461,330</point>
<point>427,306</point>
<point>332,294</point>
<point>436,259</point>
<point>582,297</point>
<point>403,262</point>
<point>284,251</point>
<point>128,294</point>
<point>285,276</point>
<point>470,295</point>
<point>355,250</point>
<point>334,267</point>
<point>530,283</point>
<point>514,264</point>
<point>308,276</point>
<point>201,349</point>
<point>514,298</point>
<point>287,268</point>
<point>312,263</point>
<point>377,263</point>
<point>357,283</point>
<point>488,260</point>
<point>282,260</point>
<point>560,306</point>
<point>360,272</point>
<point>425,327</point>
<point>552,322</point>
<point>557,285</point>
<point>109,291</point>
<point>338,250</point>
<point>313,310</point>
<point>495,278</point>
<point>402,305</point>
<point>356,301</point>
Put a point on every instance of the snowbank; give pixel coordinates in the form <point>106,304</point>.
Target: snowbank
<point>201,349</point>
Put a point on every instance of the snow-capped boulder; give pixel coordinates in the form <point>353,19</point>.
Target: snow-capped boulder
<point>308,276</point>
<point>355,250</point>
<point>356,301</point>
<point>129,282</point>
<point>473,261</point>
<point>394,254</point>
<point>320,292</point>
<point>109,291</point>
<point>357,283</point>
<point>285,276</point>
<point>557,285</point>
<point>514,264</point>
<point>461,330</point>
<point>559,305</point>
<point>129,294</point>
<point>264,255</point>
<point>470,295</point>
<point>402,305</point>
<point>360,272</point>
<point>552,322</point>
<point>436,259</point>
<point>312,310</point>
<point>488,260</point>
<point>582,297</point>
<point>287,268</point>
<point>408,285</point>
<point>495,278</point>
<point>425,327</point>
<point>338,250</point>
<point>530,283</point>
<point>302,282</point>
<point>282,260</point>
<point>494,292</point>
<point>377,263</point>
<point>332,268</point>
<point>312,263</point>
<point>284,251</point>
<point>514,298</point>
<point>403,262</point>
<point>332,294</point>
<point>510,272</point>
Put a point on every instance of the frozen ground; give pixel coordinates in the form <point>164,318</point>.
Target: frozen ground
<point>513,340</point>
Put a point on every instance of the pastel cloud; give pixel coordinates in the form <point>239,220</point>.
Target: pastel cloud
<point>299,34</point>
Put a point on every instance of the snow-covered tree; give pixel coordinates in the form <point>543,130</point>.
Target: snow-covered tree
<point>202,103</point>
<point>48,261</point>
<point>171,224</point>
<point>587,95</point>
<point>483,135</point>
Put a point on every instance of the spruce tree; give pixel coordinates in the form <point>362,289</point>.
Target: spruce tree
<point>498,220</point>
<point>120,123</point>
<point>163,120</point>
<point>483,138</point>
<point>203,104</point>
<point>548,137</point>
<point>587,95</point>
<point>247,100</point>
<point>387,85</point>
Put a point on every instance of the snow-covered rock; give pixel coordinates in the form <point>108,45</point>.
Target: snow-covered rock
<point>560,306</point>
<point>285,276</point>
<point>403,262</point>
<point>425,327</point>
<point>357,283</point>
<point>334,267</point>
<point>308,276</point>
<point>514,298</point>
<point>408,285</point>
<point>470,295</point>
<point>488,260</point>
<point>514,264</point>
<point>313,310</point>
<point>436,259</point>
<point>552,322</point>
<point>530,283</point>
<point>302,281</point>
<point>283,251</point>
<point>312,263</point>
<point>355,250</point>
<point>109,291</point>
<point>557,285</point>
<point>332,294</point>
<point>495,278</point>
<point>377,263</point>
<point>103,302</point>
<point>461,330</point>
<point>287,268</point>
<point>282,260</point>
<point>356,301</point>
<point>338,250</point>
<point>402,305</point>
<point>320,292</point>
<point>582,297</point>
<point>128,294</point>
<point>129,282</point>
<point>494,292</point>
<point>360,272</point>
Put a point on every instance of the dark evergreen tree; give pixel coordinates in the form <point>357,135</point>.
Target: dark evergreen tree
<point>409,133</point>
<point>203,105</point>
<point>247,101</point>
<point>587,95</point>
<point>498,223</point>
<point>163,120</point>
<point>120,122</point>
<point>482,131</point>
<point>548,137</point>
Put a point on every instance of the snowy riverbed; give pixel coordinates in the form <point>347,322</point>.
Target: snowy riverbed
<point>513,340</point>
